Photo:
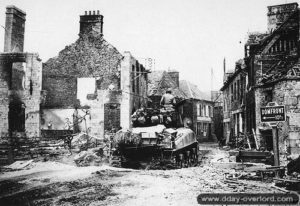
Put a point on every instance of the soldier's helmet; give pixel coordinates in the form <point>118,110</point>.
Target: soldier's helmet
<point>169,90</point>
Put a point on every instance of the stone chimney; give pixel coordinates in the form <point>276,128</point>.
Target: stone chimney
<point>175,77</point>
<point>14,29</point>
<point>277,14</point>
<point>91,21</point>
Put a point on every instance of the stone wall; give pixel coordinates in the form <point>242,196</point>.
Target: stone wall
<point>277,14</point>
<point>33,86</point>
<point>121,81</point>
<point>89,56</point>
<point>4,100</point>
<point>107,104</point>
<point>134,88</point>
<point>288,94</point>
<point>28,97</point>
<point>285,93</point>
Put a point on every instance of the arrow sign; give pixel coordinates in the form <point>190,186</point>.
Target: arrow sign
<point>272,114</point>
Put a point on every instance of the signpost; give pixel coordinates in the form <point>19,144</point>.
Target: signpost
<point>273,114</point>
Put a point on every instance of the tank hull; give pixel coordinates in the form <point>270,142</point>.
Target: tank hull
<point>179,145</point>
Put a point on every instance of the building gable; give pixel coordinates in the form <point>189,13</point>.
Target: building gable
<point>89,56</point>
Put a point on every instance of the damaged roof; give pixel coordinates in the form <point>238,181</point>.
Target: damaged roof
<point>256,38</point>
<point>159,81</point>
<point>288,66</point>
<point>239,67</point>
<point>192,91</point>
<point>282,70</point>
<point>263,39</point>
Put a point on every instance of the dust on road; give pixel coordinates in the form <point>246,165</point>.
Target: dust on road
<point>105,185</point>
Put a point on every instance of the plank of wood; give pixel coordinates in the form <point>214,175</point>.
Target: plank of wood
<point>256,140</point>
<point>270,44</point>
<point>248,142</point>
<point>279,188</point>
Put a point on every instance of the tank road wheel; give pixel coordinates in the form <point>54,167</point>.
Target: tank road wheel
<point>194,155</point>
<point>187,159</point>
<point>177,160</point>
<point>181,159</point>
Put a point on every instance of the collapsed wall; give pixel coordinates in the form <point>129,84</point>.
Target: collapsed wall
<point>20,77</point>
<point>83,83</point>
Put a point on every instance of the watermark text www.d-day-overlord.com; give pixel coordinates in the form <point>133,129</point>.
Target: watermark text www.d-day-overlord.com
<point>248,198</point>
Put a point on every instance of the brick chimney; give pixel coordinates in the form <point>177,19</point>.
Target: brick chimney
<point>277,14</point>
<point>91,21</point>
<point>14,29</point>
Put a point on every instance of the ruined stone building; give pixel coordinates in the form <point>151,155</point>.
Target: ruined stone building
<point>272,62</point>
<point>91,82</point>
<point>20,81</point>
<point>90,86</point>
<point>234,101</point>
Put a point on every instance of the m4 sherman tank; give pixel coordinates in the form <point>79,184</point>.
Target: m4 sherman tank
<point>155,135</point>
<point>146,117</point>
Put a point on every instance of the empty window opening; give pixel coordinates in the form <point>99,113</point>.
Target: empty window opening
<point>31,87</point>
<point>16,117</point>
<point>85,86</point>
<point>16,76</point>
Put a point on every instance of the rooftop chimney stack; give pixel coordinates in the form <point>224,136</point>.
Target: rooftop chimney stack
<point>277,14</point>
<point>14,29</point>
<point>91,22</point>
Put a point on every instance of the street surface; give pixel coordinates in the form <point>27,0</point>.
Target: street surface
<point>53,183</point>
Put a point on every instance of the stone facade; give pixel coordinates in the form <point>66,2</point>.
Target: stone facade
<point>283,93</point>
<point>234,101</point>
<point>89,87</point>
<point>116,84</point>
<point>272,61</point>
<point>21,79</point>
<point>90,56</point>
<point>134,88</point>
<point>20,107</point>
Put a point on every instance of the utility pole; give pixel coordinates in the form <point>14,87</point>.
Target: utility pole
<point>275,146</point>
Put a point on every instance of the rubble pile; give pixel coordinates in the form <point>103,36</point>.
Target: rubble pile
<point>23,148</point>
<point>91,157</point>
<point>90,151</point>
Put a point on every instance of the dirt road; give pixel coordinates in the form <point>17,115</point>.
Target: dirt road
<point>52,183</point>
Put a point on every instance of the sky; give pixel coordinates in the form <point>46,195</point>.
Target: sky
<point>190,36</point>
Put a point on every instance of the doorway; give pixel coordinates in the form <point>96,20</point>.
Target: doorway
<point>268,137</point>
